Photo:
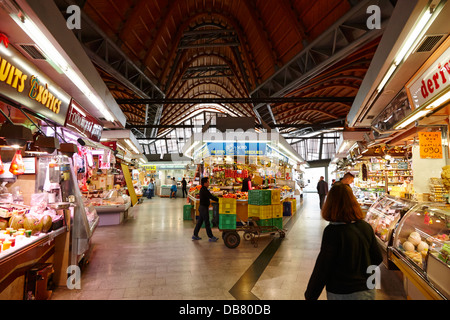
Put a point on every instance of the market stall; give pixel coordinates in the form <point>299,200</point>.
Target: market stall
<point>261,167</point>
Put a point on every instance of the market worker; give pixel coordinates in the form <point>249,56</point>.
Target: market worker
<point>348,248</point>
<point>247,183</point>
<point>203,210</point>
<point>346,179</point>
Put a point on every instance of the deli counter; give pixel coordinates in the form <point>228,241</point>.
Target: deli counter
<point>414,238</point>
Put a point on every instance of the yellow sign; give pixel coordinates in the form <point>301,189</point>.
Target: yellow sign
<point>430,145</point>
<point>129,181</point>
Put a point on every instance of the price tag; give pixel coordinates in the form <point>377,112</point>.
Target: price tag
<point>430,145</point>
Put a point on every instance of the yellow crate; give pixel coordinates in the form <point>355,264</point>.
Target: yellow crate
<point>277,211</point>
<point>227,206</point>
<point>276,196</point>
<point>262,212</point>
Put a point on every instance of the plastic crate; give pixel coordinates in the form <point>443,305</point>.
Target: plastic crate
<point>187,212</point>
<point>227,206</point>
<point>275,196</point>
<point>262,212</point>
<point>227,221</point>
<point>265,222</point>
<point>210,219</point>
<point>277,210</point>
<point>260,197</point>
<point>277,222</point>
<point>287,208</point>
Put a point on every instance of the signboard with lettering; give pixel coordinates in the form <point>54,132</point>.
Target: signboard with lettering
<point>430,145</point>
<point>431,82</point>
<point>236,148</point>
<point>25,84</point>
<point>82,122</point>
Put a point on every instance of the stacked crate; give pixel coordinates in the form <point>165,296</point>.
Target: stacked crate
<point>260,206</point>
<point>289,207</point>
<point>227,213</point>
<point>277,208</point>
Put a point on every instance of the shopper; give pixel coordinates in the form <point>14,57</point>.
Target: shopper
<point>203,210</point>
<point>150,189</point>
<point>247,183</point>
<point>173,189</point>
<point>347,179</point>
<point>348,248</point>
<point>322,189</point>
<point>184,186</point>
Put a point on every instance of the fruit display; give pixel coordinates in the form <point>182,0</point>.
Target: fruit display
<point>17,165</point>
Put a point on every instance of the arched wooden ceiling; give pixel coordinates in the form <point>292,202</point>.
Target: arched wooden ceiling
<point>211,48</point>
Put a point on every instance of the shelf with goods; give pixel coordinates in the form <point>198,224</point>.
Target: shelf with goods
<point>394,176</point>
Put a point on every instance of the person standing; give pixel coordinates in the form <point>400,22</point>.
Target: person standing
<point>173,189</point>
<point>203,210</point>
<point>151,189</point>
<point>247,183</point>
<point>184,186</point>
<point>322,189</point>
<point>348,249</point>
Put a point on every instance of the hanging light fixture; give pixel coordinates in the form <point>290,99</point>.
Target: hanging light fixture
<point>15,135</point>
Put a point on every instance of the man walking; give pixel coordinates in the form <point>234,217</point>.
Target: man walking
<point>184,186</point>
<point>322,189</point>
<point>203,210</point>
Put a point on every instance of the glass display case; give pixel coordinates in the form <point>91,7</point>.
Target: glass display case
<point>56,177</point>
<point>422,242</point>
<point>384,216</point>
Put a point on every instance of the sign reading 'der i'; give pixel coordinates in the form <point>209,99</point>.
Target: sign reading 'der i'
<point>430,145</point>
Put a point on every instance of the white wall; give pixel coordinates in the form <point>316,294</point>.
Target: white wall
<point>424,169</point>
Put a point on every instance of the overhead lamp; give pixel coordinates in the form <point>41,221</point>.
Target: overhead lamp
<point>413,38</point>
<point>15,134</point>
<point>57,59</point>
<point>68,149</point>
<point>48,144</point>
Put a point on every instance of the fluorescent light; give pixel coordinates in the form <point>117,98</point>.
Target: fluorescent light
<point>413,37</point>
<point>52,53</point>
<point>413,118</point>
<point>386,77</point>
<point>131,145</point>
<point>438,102</point>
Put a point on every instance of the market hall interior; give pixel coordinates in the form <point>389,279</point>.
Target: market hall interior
<point>151,256</point>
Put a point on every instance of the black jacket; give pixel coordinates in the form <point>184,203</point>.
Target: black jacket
<point>322,187</point>
<point>205,195</point>
<point>347,250</point>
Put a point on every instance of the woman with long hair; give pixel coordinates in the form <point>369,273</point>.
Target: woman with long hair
<point>348,250</point>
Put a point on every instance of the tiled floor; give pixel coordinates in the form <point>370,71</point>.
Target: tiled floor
<point>152,256</point>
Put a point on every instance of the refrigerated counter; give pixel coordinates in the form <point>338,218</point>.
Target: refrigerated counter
<point>414,238</point>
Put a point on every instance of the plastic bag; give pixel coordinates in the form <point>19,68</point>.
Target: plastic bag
<point>17,166</point>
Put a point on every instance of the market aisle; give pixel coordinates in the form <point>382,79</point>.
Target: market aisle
<point>152,256</point>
